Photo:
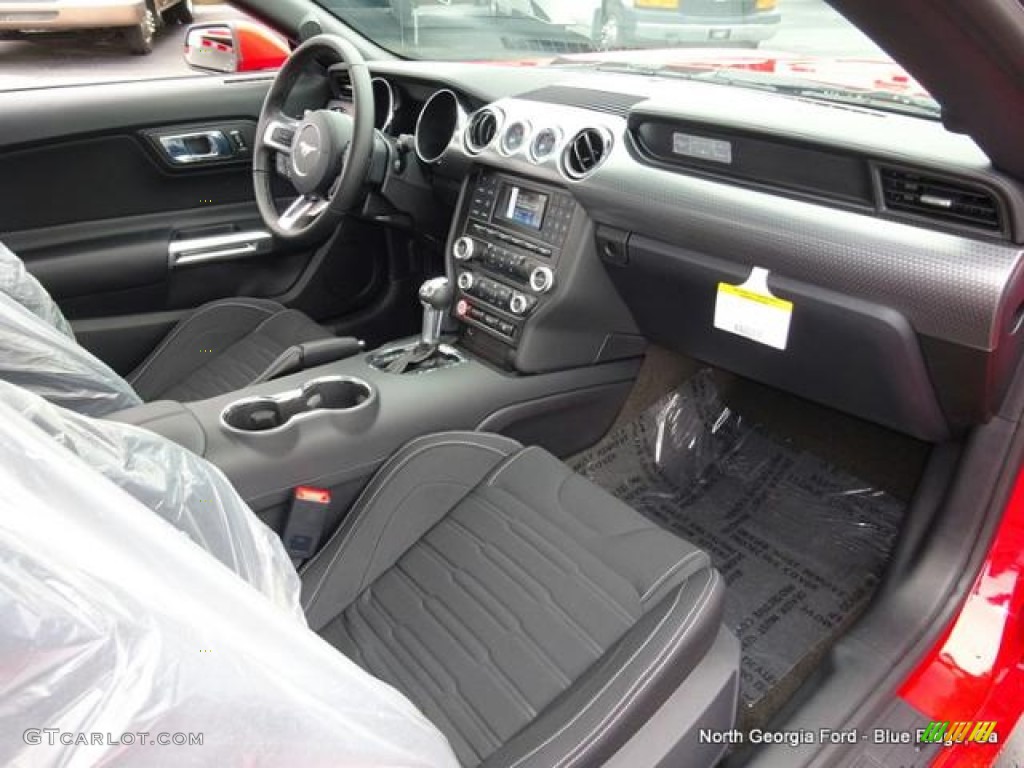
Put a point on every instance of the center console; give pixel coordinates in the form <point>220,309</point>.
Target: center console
<point>520,250</point>
<point>333,426</point>
<point>507,252</point>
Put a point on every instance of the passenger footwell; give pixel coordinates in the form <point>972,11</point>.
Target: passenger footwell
<point>801,544</point>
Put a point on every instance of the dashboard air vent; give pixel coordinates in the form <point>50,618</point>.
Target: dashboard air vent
<point>585,152</point>
<point>946,200</point>
<point>482,129</point>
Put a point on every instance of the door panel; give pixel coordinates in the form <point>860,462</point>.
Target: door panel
<point>93,193</point>
<point>123,265</point>
<point>111,176</point>
<point>47,115</point>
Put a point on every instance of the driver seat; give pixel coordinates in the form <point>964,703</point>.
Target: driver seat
<point>217,348</point>
<point>221,347</point>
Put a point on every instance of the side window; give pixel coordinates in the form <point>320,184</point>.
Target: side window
<point>84,41</point>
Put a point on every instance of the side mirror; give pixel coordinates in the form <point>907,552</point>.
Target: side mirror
<point>234,46</point>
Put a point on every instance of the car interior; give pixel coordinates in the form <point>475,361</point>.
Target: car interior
<point>610,443</point>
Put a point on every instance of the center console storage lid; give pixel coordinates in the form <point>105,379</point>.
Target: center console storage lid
<point>170,419</point>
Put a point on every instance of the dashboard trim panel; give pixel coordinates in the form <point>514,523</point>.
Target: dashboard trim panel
<point>950,286</point>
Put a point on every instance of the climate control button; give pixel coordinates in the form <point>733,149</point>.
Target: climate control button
<point>464,248</point>
<point>542,279</point>
<point>466,281</point>
<point>518,304</point>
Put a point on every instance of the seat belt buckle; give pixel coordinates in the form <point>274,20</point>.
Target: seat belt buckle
<point>307,517</point>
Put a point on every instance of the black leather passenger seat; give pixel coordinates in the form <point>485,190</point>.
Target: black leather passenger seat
<point>533,618</point>
<point>221,347</point>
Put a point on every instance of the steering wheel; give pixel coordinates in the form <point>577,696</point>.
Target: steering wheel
<point>327,153</point>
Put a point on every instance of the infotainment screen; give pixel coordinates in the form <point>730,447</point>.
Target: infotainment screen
<point>521,206</point>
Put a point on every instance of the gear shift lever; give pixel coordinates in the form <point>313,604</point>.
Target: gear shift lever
<point>436,297</point>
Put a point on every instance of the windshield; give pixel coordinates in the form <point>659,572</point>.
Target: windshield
<point>801,47</point>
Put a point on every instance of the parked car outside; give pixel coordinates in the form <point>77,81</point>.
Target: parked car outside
<point>136,21</point>
<point>615,23</point>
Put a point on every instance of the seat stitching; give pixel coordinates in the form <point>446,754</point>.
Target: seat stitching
<point>376,642</point>
<point>512,524</point>
<point>484,546</point>
<point>397,461</point>
<point>647,675</point>
<point>559,497</point>
<point>386,527</point>
<point>683,628</point>
<point>383,476</point>
<point>641,524</point>
<point>425,598</point>
<point>674,569</point>
<point>358,656</point>
<point>491,668</point>
<point>136,374</point>
<point>528,640</point>
<point>460,697</point>
<point>380,649</point>
<point>381,481</point>
<point>508,464</point>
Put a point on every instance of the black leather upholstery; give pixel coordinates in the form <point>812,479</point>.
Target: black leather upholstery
<point>536,620</point>
<point>221,347</point>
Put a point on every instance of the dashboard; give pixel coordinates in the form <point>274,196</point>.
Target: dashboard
<point>622,204</point>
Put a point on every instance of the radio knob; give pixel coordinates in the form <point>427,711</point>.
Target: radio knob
<point>542,279</point>
<point>466,281</point>
<point>464,248</point>
<point>518,304</point>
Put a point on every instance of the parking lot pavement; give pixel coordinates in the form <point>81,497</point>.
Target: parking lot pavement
<point>78,58</point>
<point>814,27</point>
<point>809,26</point>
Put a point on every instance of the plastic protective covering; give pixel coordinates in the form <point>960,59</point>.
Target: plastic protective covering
<point>40,358</point>
<point>188,492</point>
<point>116,636</point>
<point>16,282</point>
<point>800,544</point>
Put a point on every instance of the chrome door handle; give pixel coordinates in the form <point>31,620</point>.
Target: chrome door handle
<point>202,250</point>
<point>196,147</point>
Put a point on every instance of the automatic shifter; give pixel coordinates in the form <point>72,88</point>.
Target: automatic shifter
<point>436,297</point>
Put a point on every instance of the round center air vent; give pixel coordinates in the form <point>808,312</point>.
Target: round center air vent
<point>482,129</point>
<point>585,152</point>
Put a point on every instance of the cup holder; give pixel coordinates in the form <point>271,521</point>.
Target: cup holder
<point>275,412</point>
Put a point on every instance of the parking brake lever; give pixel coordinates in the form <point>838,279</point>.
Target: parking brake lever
<point>310,354</point>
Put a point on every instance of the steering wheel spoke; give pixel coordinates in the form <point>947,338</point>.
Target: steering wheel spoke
<point>280,133</point>
<point>305,207</point>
